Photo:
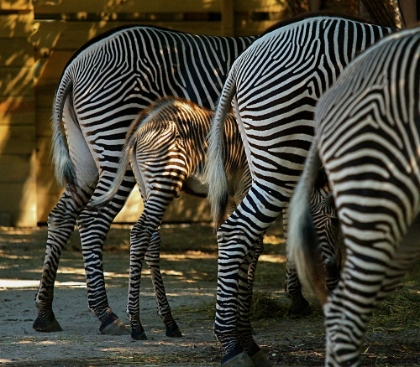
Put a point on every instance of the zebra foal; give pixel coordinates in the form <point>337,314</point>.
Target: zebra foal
<point>166,147</point>
<point>273,87</point>
<point>367,137</point>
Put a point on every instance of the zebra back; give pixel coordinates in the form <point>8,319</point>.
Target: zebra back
<point>114,77</point>
<point>190,124</point>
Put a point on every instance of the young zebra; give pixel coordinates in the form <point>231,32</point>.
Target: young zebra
<point>273,87</point>
<point>367,136</point>
<point>166,147</point>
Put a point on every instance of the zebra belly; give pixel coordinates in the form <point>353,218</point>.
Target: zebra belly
<point>195,185</point>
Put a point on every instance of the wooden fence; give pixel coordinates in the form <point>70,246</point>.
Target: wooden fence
<point>37,39</point>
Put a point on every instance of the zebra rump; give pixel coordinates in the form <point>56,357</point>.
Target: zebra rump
<point>368,139</point>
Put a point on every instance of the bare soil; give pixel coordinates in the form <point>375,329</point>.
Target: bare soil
<point>189,263</point>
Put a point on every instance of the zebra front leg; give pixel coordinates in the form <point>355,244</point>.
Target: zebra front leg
<point>61,222</point>
<point>152,258</point>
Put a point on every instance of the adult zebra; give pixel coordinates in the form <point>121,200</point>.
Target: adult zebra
<point>101,91</point>
<point>367,137</point>
<point>273,86</point>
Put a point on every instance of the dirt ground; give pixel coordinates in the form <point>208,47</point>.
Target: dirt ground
<point>190,272</point>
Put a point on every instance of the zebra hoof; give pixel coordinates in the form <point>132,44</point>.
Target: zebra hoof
<point>138,334</point>
<point>240,360</point>
<point>260,360</point>
<point>113,326</point>
<point>173,332</point>
<point>47,325</point>
<point>300,310</point>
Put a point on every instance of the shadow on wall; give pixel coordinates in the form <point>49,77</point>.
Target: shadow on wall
<point>17,120</point>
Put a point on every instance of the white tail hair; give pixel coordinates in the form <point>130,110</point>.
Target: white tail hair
<point>302,241</point>
<point>215,174</point>
<point>64,170</point>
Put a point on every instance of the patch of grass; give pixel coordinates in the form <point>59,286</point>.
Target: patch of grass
<point>264,305</point>
<point>399,311</point>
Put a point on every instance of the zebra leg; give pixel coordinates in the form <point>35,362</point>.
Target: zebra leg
<point>163,309</point>
<point>237,239</point>
<point>299,305</point>
<point>140,238</point>
<point>61,222</point>
<point>93,227</point>
<point>244,308</point>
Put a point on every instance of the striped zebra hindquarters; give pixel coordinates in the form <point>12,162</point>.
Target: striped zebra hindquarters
<point>368,138</point>
<point>275,85</point>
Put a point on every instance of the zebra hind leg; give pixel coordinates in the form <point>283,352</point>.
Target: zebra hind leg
<point>61,222</point>
<point>93,227</point>
<point>245,333</point>
<point>164,310</point>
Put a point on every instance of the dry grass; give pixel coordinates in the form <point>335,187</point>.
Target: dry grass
<point>399,311</point>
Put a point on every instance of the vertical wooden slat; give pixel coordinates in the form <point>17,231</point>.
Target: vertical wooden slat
<point>409,11</point>
<point>228,18</point>
<point>18,199</point>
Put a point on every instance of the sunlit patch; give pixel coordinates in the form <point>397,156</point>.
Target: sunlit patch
<point>189,255</point>
<point>273,240</point>
<point>18,284</point>
<point>14,257</point>
<point>172,272</point>
<point>273,258</point>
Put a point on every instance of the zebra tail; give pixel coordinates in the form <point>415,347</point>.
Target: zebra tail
<point>214,171</point>
<point>64,169</point>
<point>302,243</point>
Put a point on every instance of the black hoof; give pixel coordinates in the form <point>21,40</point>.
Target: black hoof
<point>300,310</point>
<point>238,360</point>
<point>113,326</point>
<point>138,334</point>
<point>173,332</point>
<point>47,325</point>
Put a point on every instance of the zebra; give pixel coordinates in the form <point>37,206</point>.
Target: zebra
<point>100,92</point>
<point>367,137</point>
<point>166,147</point>
<point>273,87</point>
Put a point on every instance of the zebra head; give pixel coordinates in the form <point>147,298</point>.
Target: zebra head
<point>326,222</point>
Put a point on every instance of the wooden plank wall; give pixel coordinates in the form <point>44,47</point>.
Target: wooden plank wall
<point>17,116</point>
<point>44,36</point>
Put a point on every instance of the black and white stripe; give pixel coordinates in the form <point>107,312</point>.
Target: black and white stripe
<point>274,86</point>
<point>368,139</point>
<point>101,91</point>
<point>166,147</point>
